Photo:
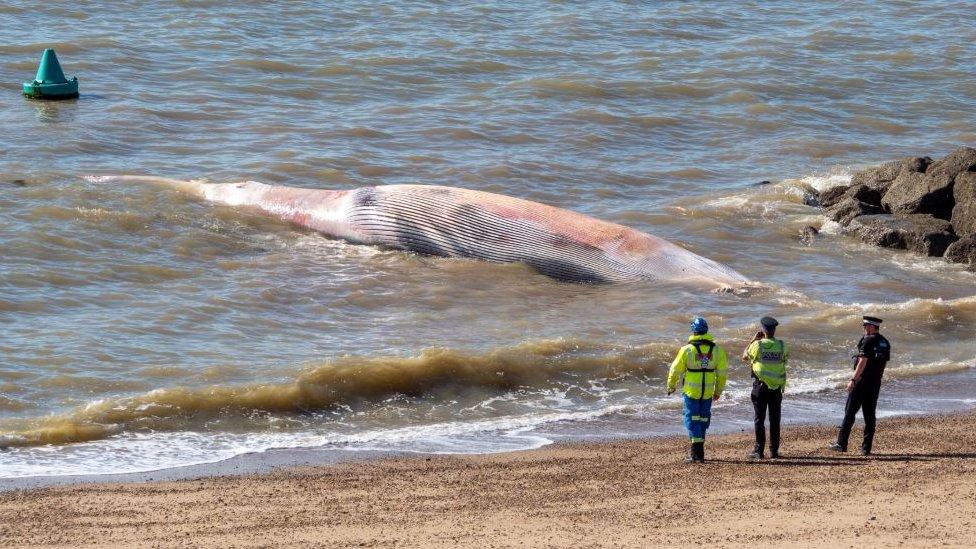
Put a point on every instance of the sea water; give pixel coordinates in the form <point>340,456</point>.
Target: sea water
<point>140,329</point>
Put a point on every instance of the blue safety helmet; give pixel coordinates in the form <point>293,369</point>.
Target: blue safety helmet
<point>699,326</point>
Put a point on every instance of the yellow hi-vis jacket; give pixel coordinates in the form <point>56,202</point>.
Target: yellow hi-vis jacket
<point>703,365</point>
<point>768,357</point>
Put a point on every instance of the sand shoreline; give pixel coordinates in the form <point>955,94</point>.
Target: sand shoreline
<point>918,490</point>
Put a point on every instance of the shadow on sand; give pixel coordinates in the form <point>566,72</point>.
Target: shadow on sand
<point>844,459</point>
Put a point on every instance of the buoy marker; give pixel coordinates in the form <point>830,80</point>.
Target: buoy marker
<point>50,82</point>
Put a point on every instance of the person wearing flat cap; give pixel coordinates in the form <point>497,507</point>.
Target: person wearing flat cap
<point>768,357</point>
<point>873,353</point>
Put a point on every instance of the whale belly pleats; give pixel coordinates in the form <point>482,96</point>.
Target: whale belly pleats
<point>456,222</point>
<point>434,221</point>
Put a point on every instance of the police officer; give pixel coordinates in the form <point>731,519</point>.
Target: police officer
<point>873,353</point>
<point>702,366</point>
<point>768,356</point>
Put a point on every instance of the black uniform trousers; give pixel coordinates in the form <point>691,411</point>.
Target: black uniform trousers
<point>764,398</point>
<point>864,397</point>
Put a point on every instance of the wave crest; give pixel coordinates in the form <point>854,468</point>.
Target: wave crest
<point>352,382</point>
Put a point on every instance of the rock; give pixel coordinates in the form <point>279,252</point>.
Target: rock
<point>849,208</point>
<point>932,192</point>
<point>864,193</point>
<point>916,164</point>
<point>881,177</point>
<point>808,234</point>
<point>886,172</point>
<point>920,233</point>
<point>958,161</point>
<point>842,204</point>
<point>832,196</point>
<point>964,212</point>
<point>963,251</point>
<point>811,198</point>
<point>910,194</point>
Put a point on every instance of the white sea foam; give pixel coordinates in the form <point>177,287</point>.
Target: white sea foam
<point>910,370</point>
<point>831,227</point>
<point>821,183</point>
<point>143,452</point>
<point>133,452</point>
<point>907,305</point>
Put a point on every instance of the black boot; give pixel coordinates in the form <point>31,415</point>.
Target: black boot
<point>756,455</point>
<point>699,450</point>
<point>692,455</point>
<point>836,447</point>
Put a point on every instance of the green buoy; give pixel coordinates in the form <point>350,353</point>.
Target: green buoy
<point>50,82</point>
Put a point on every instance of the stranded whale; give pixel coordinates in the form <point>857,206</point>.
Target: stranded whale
<point>455,222</point>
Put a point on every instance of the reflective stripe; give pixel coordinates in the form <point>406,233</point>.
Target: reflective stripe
<point>697,439</point>
<point>699,376</point>
<point>700,384</point>
<point>700,366</point>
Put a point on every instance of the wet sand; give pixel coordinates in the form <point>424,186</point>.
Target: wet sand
<point>918,490</point>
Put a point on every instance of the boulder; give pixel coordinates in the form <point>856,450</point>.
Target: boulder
<point>911,194</point>
<point>920,233</point>
<point>808,234</point>
<point>811,198</point>
<point>849,208</point>
<point>881,177</point>
<point>886,172</point>
<point>832,196</point>
<point>932,192</point>
<point>842,204</point>
<point>958,161</point>
<point>878,179</point>
<point>964,212</point>
<point>866,194</point>
<point>917,164</point>
<point>963,251</point>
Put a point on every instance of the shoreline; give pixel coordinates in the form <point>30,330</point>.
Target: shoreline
<point>805,410</point>
<point>621,492</point>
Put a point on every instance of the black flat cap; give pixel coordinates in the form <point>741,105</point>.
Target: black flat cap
<point>873,320</point>
<point>768,322</point>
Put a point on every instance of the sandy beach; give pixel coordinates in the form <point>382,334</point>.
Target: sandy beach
<point>918,490</point>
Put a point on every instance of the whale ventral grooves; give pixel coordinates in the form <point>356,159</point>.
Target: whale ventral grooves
<point>457,222</point>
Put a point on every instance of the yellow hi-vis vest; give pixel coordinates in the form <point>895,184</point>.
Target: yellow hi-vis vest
<point>768,357</point>
<point>703,366</point>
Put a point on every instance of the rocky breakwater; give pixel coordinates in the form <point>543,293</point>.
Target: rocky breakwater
<point>917,204</point>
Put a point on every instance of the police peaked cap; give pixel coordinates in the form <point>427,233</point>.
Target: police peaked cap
<point>872,320</point>
<point>768,322</point>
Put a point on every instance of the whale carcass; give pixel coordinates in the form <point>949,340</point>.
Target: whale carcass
<point>455,222</point>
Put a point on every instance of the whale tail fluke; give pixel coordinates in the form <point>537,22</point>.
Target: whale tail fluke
<point>190,187</point>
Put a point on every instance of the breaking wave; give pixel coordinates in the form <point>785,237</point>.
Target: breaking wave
<point>352,383</point>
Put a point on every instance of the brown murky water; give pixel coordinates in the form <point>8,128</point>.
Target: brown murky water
<point>143,330</point>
